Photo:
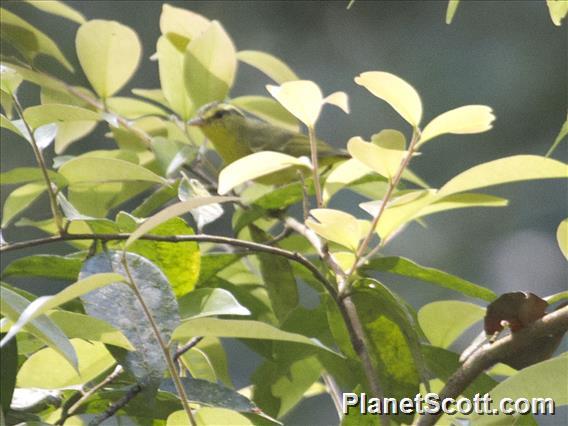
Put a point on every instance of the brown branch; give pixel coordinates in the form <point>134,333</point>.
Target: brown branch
<point>249,245</point>
<point>490,354</point>
<point>191,344</point>
<point>111,411</point>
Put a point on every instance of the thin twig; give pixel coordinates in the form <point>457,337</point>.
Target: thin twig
<point>490,354</point>
<point>191,344</point>
<point>334,392</point>
<point>111,411</point>
<point>315,171</point>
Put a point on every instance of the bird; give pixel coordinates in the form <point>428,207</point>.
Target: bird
<point>235,135</point>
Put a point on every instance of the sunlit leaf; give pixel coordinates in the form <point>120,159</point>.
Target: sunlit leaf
<point>58,8</point>
<point>407,268</point>
<point>46,369</point>
<point>70,132</point>
<point>463,120</point>
<point>380,157</point>
<point>9,80</point>
<point>345,260</point>
<point>270,65</point>
<point>268,110</point>
<point>20,199</point>
<point>254,166</point>
<point>212,416</point>
<point>209,302</point>
<point>12,305</point>
<point>396,92</point>
<point>5,123</point>
<point>156,95</point>
<point>88,169</point>
<point>39,115</point>
<point>147,361</point>
<point>336,226</point>
<point>303,98</point>
<point>505,170</point>
<point>76,325</point>
<point>562,237</point>
<point>240,329</point>
<point>44,265</point>
<point>170,62</point>
<point>558,10</point>
<point>339,99</point>
<point>451,10</point>
<point>182,22</point>
<point>174,210</point>
<point>444,321</point>
<point>210,65</point>
<point>28,39</point>
<point>132,108</point>
<point>109,53</point>
<point>561,135</point>
<point>43,304</point>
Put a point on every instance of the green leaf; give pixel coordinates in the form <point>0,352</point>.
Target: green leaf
<point>133,108</point>
<point>86,327</point>
<point>562,237</point>
<point>451,10</point>
<point>505,170</point>
<point>463,120</point>
<point>561,135</point>
<point>278,278</point>
<point>396,92</point>
<point>337,226</point>
<point>210,65</point>
<point>212,416</point>
<point>443,363</point>
<point>545,379</point>
<point>45,265</point>
<point>155,95</point>
<point>46,368</point>
<point>213,349</point>
<point>39,115</point>
<point>43,304</point>
<point>180,262</point>
<point>182,22</point>
<point>444,321</point>
<point>70,132</point>
<point>109,53</point>
<point>28,39</point>
<point>5,123</point>
<point>174,210</point>
<point>209,302</point>
<point>36,77</point>
<point>270,65</point>
<point>58,8</point>
<point>384,156</point>
<point>303,98</point>
<point>407,268</point>
<point>9,367</point>
<point>10,80</point>
<point>170,62</point>
<point>117,305</point>
<point>20,199</point>
<point>12,305</point>
<point>558,9</point>
<point>212,263</point>
<point>88,169</point>
<point>240,329</point>
<point>211,394</point>
<point>268,110</point>
<point>254,166</point>
<point>30,174</point>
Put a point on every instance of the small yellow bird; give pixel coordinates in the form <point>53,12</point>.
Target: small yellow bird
<point>235,135</point>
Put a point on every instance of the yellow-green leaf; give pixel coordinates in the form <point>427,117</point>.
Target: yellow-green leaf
<point>561,135</point>
<point>94,359</point>
<point>39,115</point>
<point>58,8</point>
<point>345,260</point>
<point>339,99</point>
<point>7,124</point>
<point>463,120</point>
<point>270,65</point>
<point>267,109</point>
<point>505,170</point>
<point>210,65</point>
<point>109,53</point>
<point>173,211</point>
<point>337,226</point>
<point>70,132</point>
<point>254,166</point>
<point>20,199</point>
<point>170,62</point>
<point>451,10</point>
<point>132,108</point>
<point>342,175</point>
<point>558,10</point>
<point>562,237</point>
<point>379,156</point>
<point>9,80</point>
<point>303,98</point>
<point>396,92</point>
<point>88,169</point>
<point>182,22</point>
<point>28,39</point>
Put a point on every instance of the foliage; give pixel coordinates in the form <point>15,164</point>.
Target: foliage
<point>149,291</point>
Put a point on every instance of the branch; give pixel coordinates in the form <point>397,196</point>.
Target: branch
<point>491,354</point>
<point>249,245</point>
<point>183,349</point>
<point>111,411</point>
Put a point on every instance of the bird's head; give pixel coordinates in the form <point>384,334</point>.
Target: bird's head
<point>217,114</point>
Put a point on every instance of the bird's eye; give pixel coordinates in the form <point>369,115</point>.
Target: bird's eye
<point>219,114</point>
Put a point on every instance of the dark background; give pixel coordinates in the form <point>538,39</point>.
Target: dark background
<point>506,54</point>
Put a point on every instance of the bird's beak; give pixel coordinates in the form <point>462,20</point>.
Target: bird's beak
<point>196,121</point>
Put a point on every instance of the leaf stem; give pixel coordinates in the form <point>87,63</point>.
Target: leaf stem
<point>315,168</point>
<point>163,346</point>
<point>41,162</point>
